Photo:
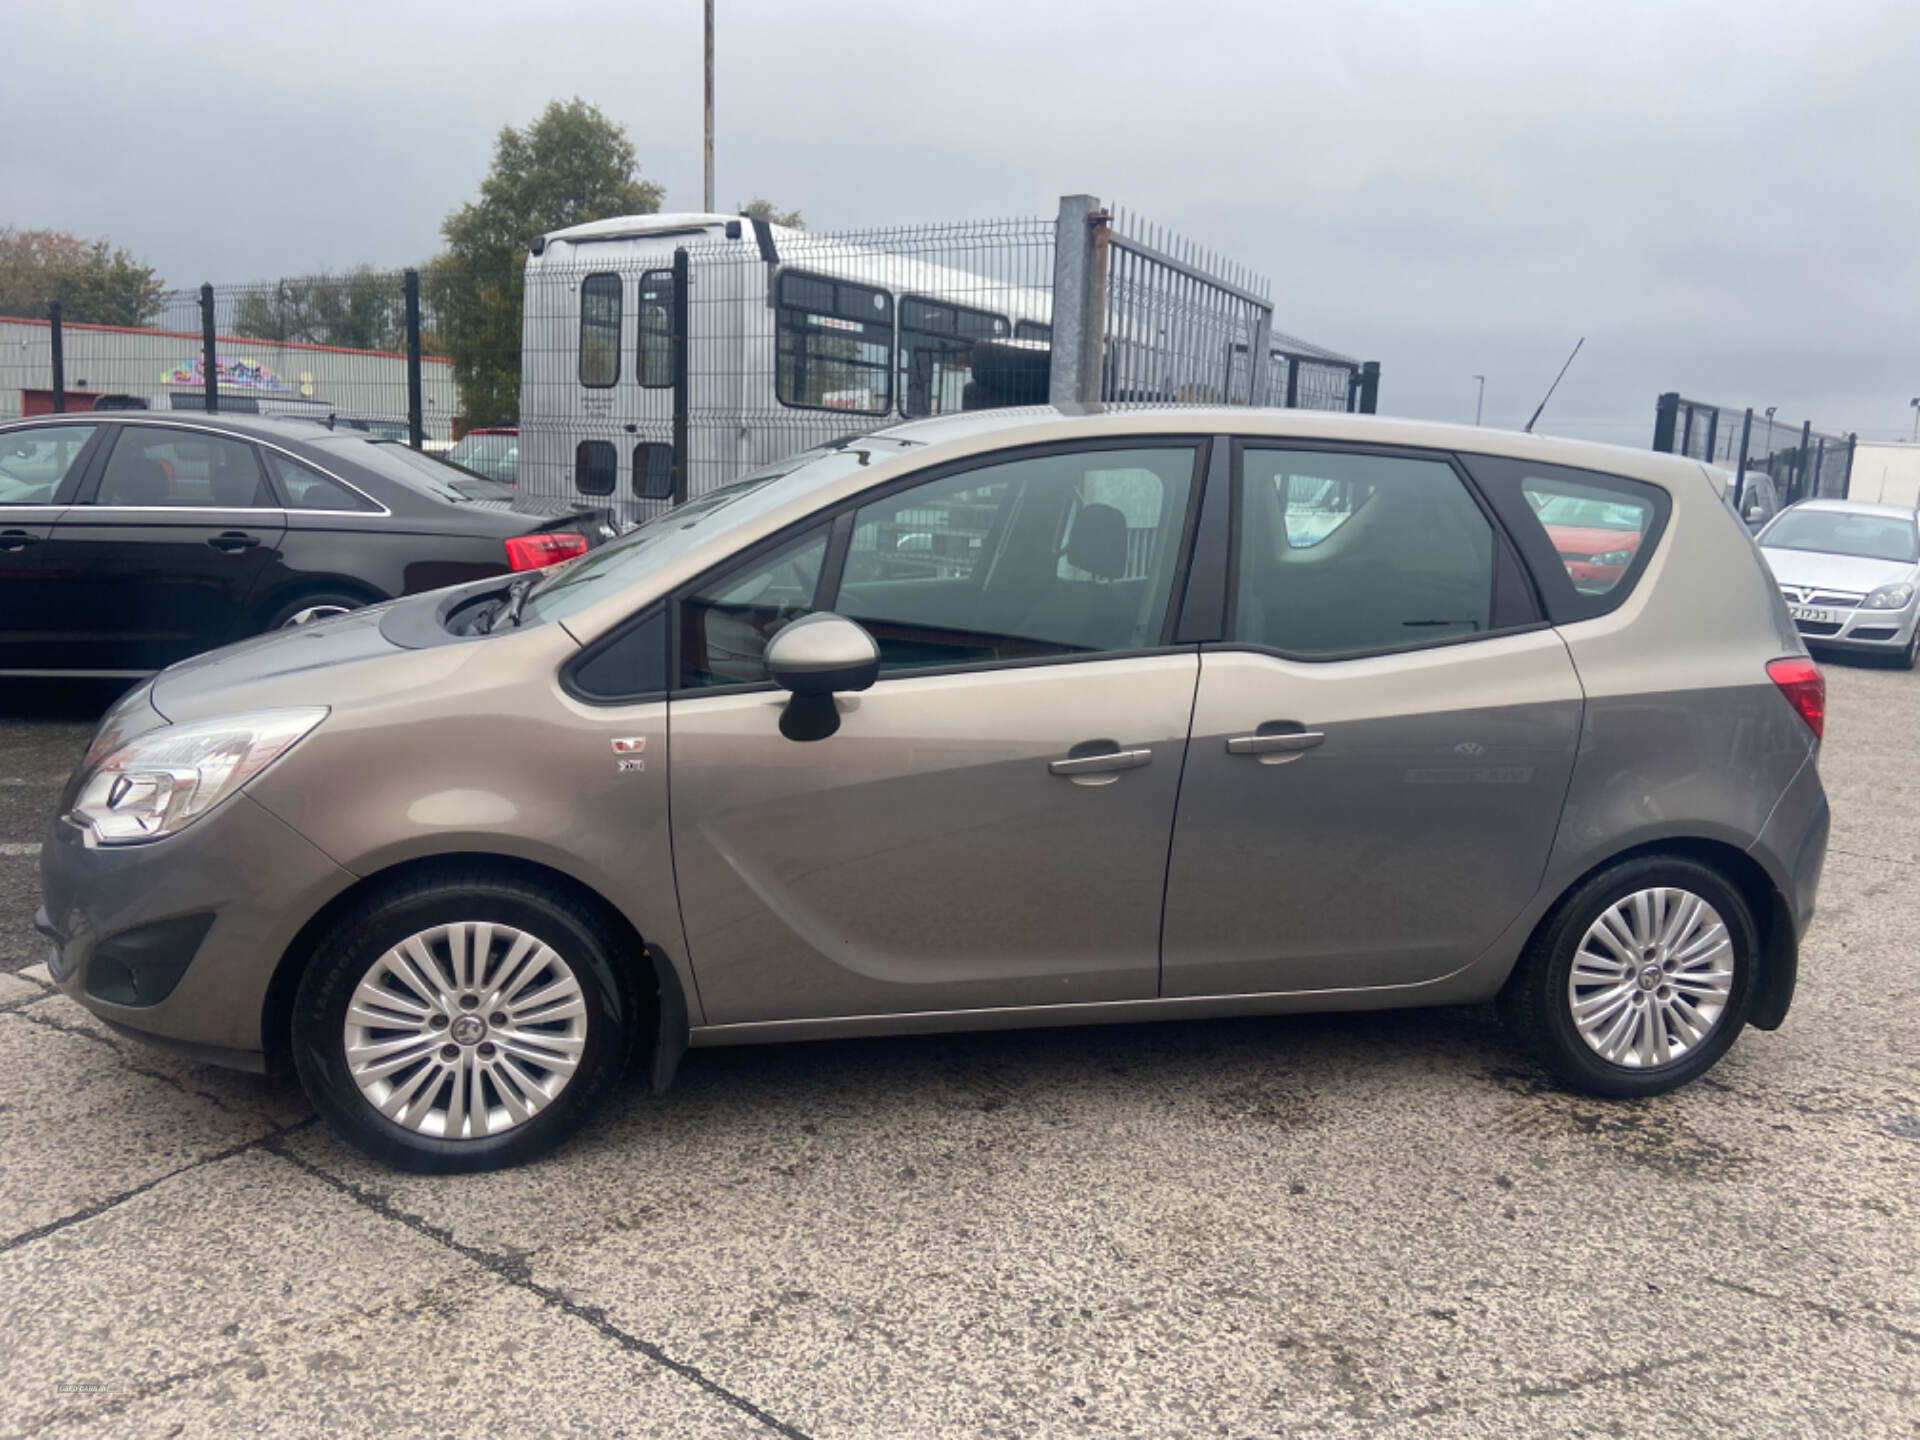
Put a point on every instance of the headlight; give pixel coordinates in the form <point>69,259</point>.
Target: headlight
<point>162,781</point>
<point>1611,557</point>
<point>1889,597</point>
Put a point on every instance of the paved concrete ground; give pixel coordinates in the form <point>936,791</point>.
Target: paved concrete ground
<point>1372,1225</point>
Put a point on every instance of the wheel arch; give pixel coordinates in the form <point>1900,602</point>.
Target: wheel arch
<point>268,603</point>
<point>663,1017</point>
<point>1779,941</point>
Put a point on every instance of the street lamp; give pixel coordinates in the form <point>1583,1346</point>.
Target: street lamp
<point>1770,410</point>
<point>1477,399</point>
<point>1915,403</point>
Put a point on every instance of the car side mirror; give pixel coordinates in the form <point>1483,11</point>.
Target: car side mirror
<point>817,657</point>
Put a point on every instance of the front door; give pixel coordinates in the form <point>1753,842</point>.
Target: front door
<point>1381,747</point>
<point>989,825</point>
<point>40,468</point>
<point>167,550</point>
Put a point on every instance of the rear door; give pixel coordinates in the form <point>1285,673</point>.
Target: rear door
<point>41,467</point>
<point>989,825</point>
<point>1381,744</point>
<point>164,554</point>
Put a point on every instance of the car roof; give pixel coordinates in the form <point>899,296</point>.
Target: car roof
<point>266,427</point>
<point>1858,507</point>
<point>1039,423</point>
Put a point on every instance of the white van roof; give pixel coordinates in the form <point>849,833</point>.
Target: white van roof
<point>621,227</point>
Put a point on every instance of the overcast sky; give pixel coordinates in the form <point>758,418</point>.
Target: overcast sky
<point>1723,198</point>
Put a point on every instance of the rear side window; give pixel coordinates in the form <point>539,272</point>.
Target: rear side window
<point>1347,554</point>
<point>1586,536</point>
<point>599,331</point>
<point>154,467</point>
<point>307,489</point>
<point>596,465</point>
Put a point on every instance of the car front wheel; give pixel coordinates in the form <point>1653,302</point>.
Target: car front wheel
<point>462,1023</point>
<point>1639,981</point>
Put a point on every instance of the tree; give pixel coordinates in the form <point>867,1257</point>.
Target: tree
<point>95,285</point>
<point>570,166</point>
<point>364,309</point>
<point>761,208</point>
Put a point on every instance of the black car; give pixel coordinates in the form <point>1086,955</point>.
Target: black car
<point>129,541</point>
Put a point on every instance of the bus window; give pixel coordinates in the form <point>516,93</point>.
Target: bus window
<point>599,330</point>
<point>596,466</point>
<point>653,470</point>
<point>1033,330</point>
<point>936,353</point>
<point>653,363</point>
<point>835,345</point>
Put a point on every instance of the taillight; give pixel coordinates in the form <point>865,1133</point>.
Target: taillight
<point>1805,687</point>
<point>530,552</point>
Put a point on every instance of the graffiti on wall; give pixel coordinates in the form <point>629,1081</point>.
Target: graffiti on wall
<point>237,374</point>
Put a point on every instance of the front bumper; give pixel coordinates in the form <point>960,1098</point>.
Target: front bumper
<point>1859,628</point>
<point>177,940</point>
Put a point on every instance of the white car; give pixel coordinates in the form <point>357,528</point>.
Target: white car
<point>1850,572</point>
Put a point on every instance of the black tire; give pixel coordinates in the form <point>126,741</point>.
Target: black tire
<point>326,601</point>
<point>573,930</point>
<point>1536,1004</point>
<point>1906,658</point>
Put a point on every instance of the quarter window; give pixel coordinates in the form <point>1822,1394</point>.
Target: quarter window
<point>835,346</point>
<point>936,353</point>
<point>1596,532</point>
<point>653,360</point>
<point>596,465</point>
<point>599,330</point>
<point>154,466</point>
<point>1053,555</point>
<point>726,624</point>
<point>653,470</point>
<point>34,462</point>
<point>307,489</point>
<point>1342,554</point>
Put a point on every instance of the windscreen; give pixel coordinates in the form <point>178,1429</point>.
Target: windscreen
<point>1841,532</point>
<point>592,578</point>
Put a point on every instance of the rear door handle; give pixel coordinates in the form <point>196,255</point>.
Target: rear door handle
<point>1287,743</point>
<point>234,540</point>
<point>15,539</point>
<point>1103,763</point>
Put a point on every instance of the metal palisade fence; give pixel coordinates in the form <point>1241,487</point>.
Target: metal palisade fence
<point>665,355</point>
<point>1803,463</point>
<point>640,361</point>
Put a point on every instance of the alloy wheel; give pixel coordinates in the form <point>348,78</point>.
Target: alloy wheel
<point>465,1030</point>
<point>1651,978</point>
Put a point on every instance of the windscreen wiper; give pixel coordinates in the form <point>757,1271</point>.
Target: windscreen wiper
<point>510,608</point>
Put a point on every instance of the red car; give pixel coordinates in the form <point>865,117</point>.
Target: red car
<point>1596,538</point>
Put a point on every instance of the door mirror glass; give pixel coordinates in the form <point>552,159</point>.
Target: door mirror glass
<point>823,654</point>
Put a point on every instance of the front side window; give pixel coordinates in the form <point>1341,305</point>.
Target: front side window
<point>726,624</point>
<point>653,361</point>
<point>1053,555</point>
<point>835,349</point>
<point>596,466</point>
<point>936,353</point>
<point>152,466</point>
<point>599,331</point>
<point>1343,554</point>
<point>34,462</point>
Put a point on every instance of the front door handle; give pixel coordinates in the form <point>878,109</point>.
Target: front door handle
<point>1286,742</point>
<point>15,539</point>
<point>1096,762</point>
<point>234,541</point>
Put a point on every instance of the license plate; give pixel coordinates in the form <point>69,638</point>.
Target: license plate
<point>1812,615</point>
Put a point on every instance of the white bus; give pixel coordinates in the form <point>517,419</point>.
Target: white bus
<point>793,340</point>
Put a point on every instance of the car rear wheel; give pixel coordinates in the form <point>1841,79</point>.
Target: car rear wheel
<point>462,1023</point>
<point>309,608</point>
<point>1639,981</point>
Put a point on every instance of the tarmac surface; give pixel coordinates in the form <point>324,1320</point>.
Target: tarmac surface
<point>1382,1225</point>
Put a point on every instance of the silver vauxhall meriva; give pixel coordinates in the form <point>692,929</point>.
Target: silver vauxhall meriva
<point>1003,719</point>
